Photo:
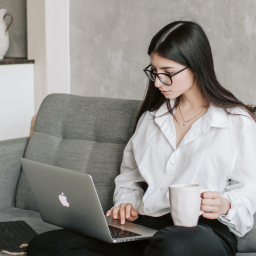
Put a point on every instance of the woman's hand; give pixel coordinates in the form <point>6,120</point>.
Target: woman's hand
<point>123,212</point>
<point>214,205</point>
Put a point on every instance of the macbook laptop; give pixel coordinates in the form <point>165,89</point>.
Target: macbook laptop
<point>69,199</point>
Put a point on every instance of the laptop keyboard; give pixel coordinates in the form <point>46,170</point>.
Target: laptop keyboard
<point>119,233</point>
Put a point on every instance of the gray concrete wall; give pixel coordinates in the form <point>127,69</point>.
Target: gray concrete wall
<point>18,29</point>
<point>109,41</point>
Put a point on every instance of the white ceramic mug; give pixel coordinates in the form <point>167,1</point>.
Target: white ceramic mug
<point>185,204</point>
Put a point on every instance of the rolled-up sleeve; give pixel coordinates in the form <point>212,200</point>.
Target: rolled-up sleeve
<point>127,189</point>
<point>241,193</point>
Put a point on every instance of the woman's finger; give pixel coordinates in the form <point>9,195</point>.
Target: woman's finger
<point>212,202</point>
<point>134,213</point>
<point>115,212</point>
<point>210,195</point>
<point>212,216</point>
<point>108,212</point>
<point>128,209</point>
<point>122,213</point>
<point>209,209</point>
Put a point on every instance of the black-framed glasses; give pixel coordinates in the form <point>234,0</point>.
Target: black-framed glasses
<point>164,78</point>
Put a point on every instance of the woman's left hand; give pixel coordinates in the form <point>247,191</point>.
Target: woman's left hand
<point>214,205</point>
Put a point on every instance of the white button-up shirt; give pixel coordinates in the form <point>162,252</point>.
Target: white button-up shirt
<point>218,153</point>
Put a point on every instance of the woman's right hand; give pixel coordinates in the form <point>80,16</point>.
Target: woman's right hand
<point>123,212</point>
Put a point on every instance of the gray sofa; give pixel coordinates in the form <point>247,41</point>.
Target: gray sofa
<point>84,134</point>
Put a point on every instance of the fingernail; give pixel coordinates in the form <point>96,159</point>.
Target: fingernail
<point>115,216</point>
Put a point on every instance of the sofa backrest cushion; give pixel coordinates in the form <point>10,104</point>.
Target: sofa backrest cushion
<point>84,134</point>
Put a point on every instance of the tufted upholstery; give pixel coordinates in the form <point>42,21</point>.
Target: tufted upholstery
<point>82,134</point>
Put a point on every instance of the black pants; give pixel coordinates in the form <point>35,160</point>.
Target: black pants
<point>208,238</point>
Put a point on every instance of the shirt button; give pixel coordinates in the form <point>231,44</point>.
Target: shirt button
<point>172,162</point>
<point>161,188</point>
<point>147,209</point>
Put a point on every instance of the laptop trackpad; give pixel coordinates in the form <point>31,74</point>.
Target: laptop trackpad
<point>145,231</point>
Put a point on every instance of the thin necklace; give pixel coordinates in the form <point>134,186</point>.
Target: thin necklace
<point>184,122</point>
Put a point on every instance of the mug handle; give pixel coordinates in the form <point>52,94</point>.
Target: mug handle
<point>201,191</point>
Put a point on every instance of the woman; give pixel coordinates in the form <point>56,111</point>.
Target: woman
<point>189,130</point>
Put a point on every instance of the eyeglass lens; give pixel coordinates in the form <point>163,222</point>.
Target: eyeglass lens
<point>162,77</point>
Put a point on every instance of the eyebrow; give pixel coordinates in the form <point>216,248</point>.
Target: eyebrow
<point>161,67</point>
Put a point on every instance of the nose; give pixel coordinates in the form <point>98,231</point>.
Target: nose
<point>158,83</point>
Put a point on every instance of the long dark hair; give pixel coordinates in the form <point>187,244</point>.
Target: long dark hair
<point>186,43</point>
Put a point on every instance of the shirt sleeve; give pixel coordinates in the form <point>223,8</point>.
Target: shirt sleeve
<point>127,189</point>
<point>241,193</point>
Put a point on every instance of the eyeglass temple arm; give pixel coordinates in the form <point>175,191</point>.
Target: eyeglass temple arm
<point>179,71</point>
<point>147,67</point>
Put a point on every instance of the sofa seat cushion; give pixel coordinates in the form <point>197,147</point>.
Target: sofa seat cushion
<point>246,254</point>
<point>32,218</point>
<point>246,244</point>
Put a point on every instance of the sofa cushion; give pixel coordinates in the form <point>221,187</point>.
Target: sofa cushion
<point>32,218</point>
<point>247,243</point>
<point>246,254</point>
<point>83,134</point>
<point>10,153</point>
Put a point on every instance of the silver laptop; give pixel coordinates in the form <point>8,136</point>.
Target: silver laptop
<point>68,199</point>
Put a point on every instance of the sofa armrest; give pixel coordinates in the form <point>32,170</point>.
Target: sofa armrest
<point>10,167</point>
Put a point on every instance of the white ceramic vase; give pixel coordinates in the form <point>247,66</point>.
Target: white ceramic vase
<point>4,36</point>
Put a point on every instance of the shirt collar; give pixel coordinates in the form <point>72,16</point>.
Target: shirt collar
<point>162,110</point>
<point>214,116</point>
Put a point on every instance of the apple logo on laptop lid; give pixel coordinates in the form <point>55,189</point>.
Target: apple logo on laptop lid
<point>63,200</point>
